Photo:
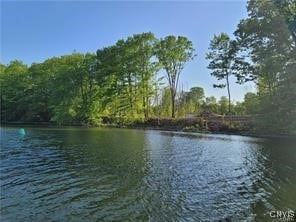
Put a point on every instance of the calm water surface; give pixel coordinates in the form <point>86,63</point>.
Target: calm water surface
<point>74,174</point>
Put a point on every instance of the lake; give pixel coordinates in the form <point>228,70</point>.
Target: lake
<point>80,174</point>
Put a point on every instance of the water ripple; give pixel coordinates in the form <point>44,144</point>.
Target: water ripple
<point>134,175</point>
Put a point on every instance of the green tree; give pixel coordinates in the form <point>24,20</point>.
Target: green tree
<point>129,68</point>
<point>210,104</point>
<point>251,103</point>
<point>166,102</point>
<point>267,56</point>
<point>142,46</point>
<point>110,79</point>
<point>221,56</point>
<point>191,102</point>
<point>173,52</point>
<point>196,95</point>
<point>13,85</point>
<point>223,105</point>
<point>239,108</point>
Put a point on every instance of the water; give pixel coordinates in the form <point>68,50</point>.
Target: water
<point>74,174</point>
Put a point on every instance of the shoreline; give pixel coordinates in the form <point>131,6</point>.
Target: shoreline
<point>147,127</point>
<point>262,136</point>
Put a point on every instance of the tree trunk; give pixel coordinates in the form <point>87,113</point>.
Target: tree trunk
<point>145,107</point>
<point>229,99</point>
<point>130,92</point>
<point>173,102</point>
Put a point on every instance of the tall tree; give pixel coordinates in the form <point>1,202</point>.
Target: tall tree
<point>130,66</point>
<point>13,82</point>
<point>109,77</point>
<point>142,47</point>
<point>221,56</point>
<point>266,39</point>
<point>173,52</point>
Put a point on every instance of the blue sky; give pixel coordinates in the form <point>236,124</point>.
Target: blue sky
<point>33,31</point>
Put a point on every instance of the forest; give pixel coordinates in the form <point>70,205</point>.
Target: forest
<point>138,78</point>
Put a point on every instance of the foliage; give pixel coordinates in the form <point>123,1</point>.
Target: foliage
<point>118,81</point>
<point>173,52</point>
<point>267,55</point>
<point>13,89</point>
<point>121,83</point>
<point>221,56</point>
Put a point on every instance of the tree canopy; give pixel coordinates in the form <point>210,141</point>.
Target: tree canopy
<point>123,80</point>
<point>173,52</point>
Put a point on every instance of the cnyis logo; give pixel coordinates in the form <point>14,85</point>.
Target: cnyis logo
<point>280,215</point>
